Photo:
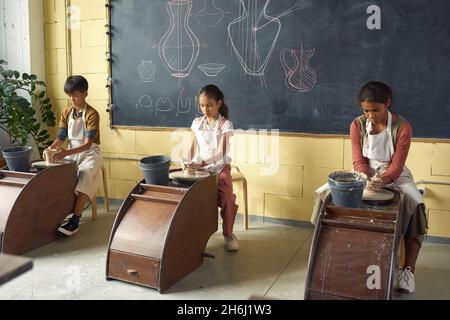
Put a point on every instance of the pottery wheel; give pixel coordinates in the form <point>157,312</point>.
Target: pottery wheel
<point>43,164</point>
<point>382,195</point>
<point>179,175</point>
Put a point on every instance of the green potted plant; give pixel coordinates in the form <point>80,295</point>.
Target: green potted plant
<point>20,119</point>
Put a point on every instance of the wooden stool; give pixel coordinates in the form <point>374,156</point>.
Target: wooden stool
<point>239,176</point>
<point>105,195</point>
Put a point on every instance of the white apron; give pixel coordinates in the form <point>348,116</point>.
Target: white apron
<point>88,162</point>
<point>207,141</point>
<point>379,149</point>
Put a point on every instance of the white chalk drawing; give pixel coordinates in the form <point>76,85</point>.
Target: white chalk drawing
<point>184,106</point>
<point>144,102</point>
<point>146,71</point>
<point>179,47</point>
<point>211,69</point>
<point>163,104</point>
<point>210,15</point>
<point>254,34</point>
<point>300,76</point>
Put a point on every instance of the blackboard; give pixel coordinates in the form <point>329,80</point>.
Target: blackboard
<point>292,65</point>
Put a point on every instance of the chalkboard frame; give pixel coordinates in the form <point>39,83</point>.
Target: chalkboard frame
<point>110,108</point>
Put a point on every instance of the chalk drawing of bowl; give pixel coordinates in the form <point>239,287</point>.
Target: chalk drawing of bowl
<point>211,69</point>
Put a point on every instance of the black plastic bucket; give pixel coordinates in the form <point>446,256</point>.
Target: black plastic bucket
<point>347,188</point>
<point>155,169</point>
<point>17,158</point>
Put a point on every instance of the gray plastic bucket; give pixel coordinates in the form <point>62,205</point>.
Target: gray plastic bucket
<point>347,188</point>
<point>17,158</point>
<point>155,169</point>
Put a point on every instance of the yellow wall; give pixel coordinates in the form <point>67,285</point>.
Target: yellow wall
<point>304,162</point>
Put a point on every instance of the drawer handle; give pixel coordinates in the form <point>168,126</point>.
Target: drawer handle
<point>132,272</point>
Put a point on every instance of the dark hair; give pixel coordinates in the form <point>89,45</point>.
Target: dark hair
<point>214,92</point>
<point>375,91</point>
<point>75,83</point>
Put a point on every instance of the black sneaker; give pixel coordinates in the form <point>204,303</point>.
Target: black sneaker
<point>68,229</point>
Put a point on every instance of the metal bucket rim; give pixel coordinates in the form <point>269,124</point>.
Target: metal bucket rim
<point>361,178</point>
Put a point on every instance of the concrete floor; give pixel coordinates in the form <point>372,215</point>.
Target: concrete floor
<point>271,263</point>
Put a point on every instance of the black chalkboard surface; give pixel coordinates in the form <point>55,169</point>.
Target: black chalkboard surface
<point>292,65</point>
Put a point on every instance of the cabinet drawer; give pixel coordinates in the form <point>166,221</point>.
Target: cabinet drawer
<point>135,269</point>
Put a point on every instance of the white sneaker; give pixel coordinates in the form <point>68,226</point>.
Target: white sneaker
<point>231,243</point>
<point>406,281</point>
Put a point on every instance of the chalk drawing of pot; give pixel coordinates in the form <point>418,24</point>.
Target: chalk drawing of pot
<point>179,47</point>
<point>210,15</point>
<point>300,76</point>
<point>211,69</point>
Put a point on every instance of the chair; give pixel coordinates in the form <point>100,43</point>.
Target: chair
<point>237,175</point>
<point>105,195</point>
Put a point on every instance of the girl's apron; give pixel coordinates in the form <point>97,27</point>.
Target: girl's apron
<point>207,141</point>
<point>88,162</point>
<point>379,149</point>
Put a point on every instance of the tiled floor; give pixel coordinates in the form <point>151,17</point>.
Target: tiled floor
<point>272,263</point>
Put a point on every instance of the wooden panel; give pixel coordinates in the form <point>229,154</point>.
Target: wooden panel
<point>163,189</point>
<point>143,229</point>
<point>374,225</point>
<point>8,196</point>
<point>35,211</point>
<point>157,198</point>
<point>346,259</point>
<point>356,212</point>
<point>164,195</point>
<point>168,224</point>
<point>20,176</point>
<point>193,224</point>
<point>134,268</point>
<point>353,253</point>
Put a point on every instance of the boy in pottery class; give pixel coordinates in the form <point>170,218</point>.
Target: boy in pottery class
<point>380,144</point>
<point>210,146</point>
<point>79,123</point>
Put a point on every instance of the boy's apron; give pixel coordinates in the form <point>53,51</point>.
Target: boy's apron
<point>88,162</point>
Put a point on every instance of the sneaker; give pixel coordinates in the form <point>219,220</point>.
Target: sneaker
<point>406,283</point>
<point>68,229</point>
<point>231,243</point>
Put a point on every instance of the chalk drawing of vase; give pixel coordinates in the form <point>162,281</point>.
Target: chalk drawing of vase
<point>300,76</point>
<point>210,15</point>
<point>253,36</point>
<point>179,47</point>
